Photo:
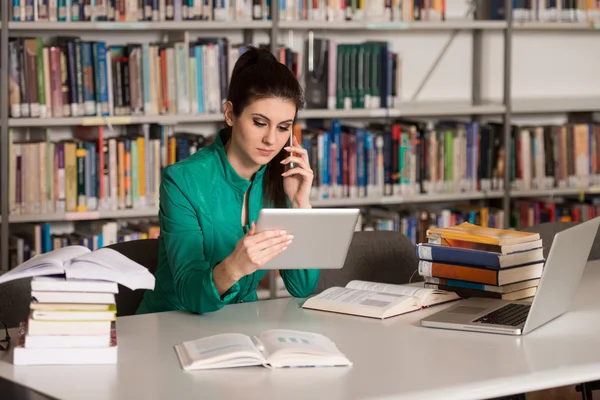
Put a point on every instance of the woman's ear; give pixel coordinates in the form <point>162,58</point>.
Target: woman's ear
<point>228,112</point>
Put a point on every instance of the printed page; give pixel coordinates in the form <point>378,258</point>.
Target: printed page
<point>297,348</point>
<point>108,264</point>
<point>360,302</point>
<point>426,296</point>
<point>219,351</point>
<point>406,290</point>
<point>51,263</point>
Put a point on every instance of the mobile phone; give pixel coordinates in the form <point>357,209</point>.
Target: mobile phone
<point>292,165</point>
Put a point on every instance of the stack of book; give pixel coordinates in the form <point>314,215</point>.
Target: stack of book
<point>475,261</point>
<point>73,310</point>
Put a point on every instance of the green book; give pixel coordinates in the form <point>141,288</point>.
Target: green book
<point>80,155</point>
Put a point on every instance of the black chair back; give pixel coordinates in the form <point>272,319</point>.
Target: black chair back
<point>376,256</point>
<point>144,252</point>
<point>15,298</point>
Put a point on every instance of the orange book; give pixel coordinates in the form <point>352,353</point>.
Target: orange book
<point>486,276</point>
<point>467,235</point>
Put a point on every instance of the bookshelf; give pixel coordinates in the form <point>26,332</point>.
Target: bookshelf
<point>474,108</point>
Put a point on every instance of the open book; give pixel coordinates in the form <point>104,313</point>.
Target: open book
<point>78,262</point>
<point>377,300</point>
<point>276,348</point>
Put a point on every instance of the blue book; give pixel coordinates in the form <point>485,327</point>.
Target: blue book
<point>477,258</point>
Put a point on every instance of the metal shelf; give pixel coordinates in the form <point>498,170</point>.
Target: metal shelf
<point>354,113</point>
<point>418,109</point>
<point>420,198</point>
<point>86,216</point>
<point>555,26</point>
<point>556,192</point>
<point>566,104</point>
<point>393,26</point>
<point>115,120</point>
<point>137,26</point>
<point>448,108</point>
<point>340,202</point>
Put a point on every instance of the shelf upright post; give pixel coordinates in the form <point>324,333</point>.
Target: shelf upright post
<point>4,137</point>
<point>477,59</point>
<point>274,27</point>
<point>476,67</point>
<point>248,36</point>
<point>508,33</point>
<point>273,46</point>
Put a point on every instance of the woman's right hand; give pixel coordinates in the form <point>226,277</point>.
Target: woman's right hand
<point>254,250</point>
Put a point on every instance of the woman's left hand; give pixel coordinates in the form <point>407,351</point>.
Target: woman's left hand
<point>297,181</point>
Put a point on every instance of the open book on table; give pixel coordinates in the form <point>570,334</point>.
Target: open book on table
<point>78,262</point>
<point>278,348</point>
<point>377,300</point>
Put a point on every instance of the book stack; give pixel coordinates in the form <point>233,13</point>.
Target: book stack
<point>73,310</point>
<point>475,261</point>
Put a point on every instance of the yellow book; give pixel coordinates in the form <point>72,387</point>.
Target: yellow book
<point>467,235</point>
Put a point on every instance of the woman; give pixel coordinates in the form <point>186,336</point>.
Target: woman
<point>209,250</point>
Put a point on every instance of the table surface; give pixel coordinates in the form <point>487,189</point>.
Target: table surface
<point>394,358</point>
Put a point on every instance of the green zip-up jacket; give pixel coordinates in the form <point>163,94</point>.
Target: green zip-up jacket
<point>201,200</point>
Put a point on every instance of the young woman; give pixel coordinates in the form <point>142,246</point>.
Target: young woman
<point>209,250</point>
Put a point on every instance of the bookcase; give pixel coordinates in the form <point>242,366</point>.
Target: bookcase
<point>272,29</point>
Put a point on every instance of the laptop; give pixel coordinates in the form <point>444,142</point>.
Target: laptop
<point>322,236</point>
<point>559,282</point>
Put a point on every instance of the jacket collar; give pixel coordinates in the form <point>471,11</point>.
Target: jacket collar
<point>230,174</point>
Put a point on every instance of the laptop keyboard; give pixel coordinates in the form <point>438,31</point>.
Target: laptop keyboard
<point>510,314</point>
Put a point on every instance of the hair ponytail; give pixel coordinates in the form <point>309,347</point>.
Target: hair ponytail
<point>257,74</point>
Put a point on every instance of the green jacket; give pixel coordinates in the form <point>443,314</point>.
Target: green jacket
<point>201,201</point>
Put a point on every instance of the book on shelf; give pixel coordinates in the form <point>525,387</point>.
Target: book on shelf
<point>78,262</point>
<point>333,83</point>
<point>134,11</point>
<point>28,240</point>
<point>545,11</point>
<point>93,172</point>
<point>200,11</point>
<point>377,300</point>
<point>278,348</point>
<point>73,77</point>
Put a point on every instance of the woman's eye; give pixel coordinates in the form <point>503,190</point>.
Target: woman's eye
<point>284,128</point>
<point>259,124</point>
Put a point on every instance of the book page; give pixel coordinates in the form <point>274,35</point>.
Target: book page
<point>283,347</point>
<point>406,290</point>
<point>51,263</point>
<point>108,264</point>
<point>360,302</point>
<point>219,351</point>
<point>426,296</point>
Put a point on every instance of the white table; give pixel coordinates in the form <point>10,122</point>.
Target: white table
<point>394,358</point>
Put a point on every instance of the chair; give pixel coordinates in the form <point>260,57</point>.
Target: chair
<point>144,252</point>
<point>377,256</point>
<point>15,298</point>
<point>547,230</point>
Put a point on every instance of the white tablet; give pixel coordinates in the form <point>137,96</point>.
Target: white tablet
<point>322,236</point>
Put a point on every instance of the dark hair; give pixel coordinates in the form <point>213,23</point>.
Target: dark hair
<point>257,74</point>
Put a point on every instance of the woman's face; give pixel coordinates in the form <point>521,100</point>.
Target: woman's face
<point>263,128</point>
